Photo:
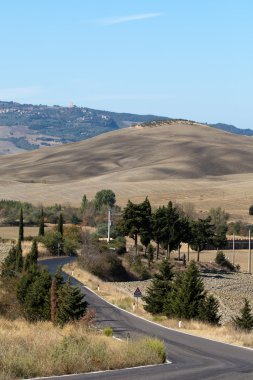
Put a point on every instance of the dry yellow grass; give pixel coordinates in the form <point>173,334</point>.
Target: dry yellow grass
<point>30,350</point>
<point>116,295</point>
<point>177,161</point>
<point>10,232</point>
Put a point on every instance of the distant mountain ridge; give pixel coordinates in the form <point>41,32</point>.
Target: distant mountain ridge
<point>28,127</point>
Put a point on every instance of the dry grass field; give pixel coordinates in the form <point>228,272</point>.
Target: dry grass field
<point>41,349</point>
<point>11,232</point>
<point>178,161</point>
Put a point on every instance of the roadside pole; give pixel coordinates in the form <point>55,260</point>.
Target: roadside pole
<point>109,226</point>
<point>233,249</point>
<point>249,264</point>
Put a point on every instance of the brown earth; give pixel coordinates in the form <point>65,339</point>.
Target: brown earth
<point>178,161</point>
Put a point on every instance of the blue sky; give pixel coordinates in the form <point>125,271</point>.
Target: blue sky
<point>181,58</point>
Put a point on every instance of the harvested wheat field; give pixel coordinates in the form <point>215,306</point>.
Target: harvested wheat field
<point>178,161</point>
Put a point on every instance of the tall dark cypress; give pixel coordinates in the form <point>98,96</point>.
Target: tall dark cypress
<point>42,227</point>
<point>21,226</point>
<point>19,257</point>
<point>60,224</point>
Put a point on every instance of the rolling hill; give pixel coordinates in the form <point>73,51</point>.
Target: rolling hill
<point>182,161</point>
<point>25,127</point>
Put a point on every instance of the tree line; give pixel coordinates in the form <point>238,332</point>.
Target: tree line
<point>168,226</point>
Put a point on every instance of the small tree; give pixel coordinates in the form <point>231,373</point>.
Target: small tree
<point>53,242</point>
<point>32,257</point>
<point>159,289</point>
<point>202,234</point>
<point>84,203</point>
<point>134,220</point>
<point>42,226</point>
<point>209,310</point>
<point>245,320</point>
<point>220,259</point>
<point>21,226</point>
<point>70,304</point>
<point>8,267</point>
<point>105,197</point>
<point>251,210</point>
<point>33,293</point>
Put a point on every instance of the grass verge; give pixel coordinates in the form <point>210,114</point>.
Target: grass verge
<point>31,350</point>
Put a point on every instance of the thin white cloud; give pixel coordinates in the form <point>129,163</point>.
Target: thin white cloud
<point>121,20</point>
<point>17,93</point>
<point>125,97</point>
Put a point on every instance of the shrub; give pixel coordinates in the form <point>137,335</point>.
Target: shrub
<point>245,320</point>
<point>157,346</point>
<point>108,331</point>
<point>221,260</point>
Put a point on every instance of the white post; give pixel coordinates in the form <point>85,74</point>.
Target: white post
<point>249,265</point>
<point>233,249</point>
<point>109,226</point>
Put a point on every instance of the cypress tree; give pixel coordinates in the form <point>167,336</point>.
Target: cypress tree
<point>21,226</point>
<point>70,304</point>
<point>245,320</point>
<point>60,225</point>
<point>19,257</point>
<point>32,257</point>
<point>42,227</point>
<point>159,289</point>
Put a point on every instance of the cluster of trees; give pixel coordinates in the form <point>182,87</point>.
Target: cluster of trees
<point>169,226</point>
<point>9,213</point>
<point>181,295</point>
<point>41,297</point>
<point>95,211</point>
<point>59,240</point>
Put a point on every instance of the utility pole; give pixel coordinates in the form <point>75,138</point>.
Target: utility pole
<point>249,264</point>
<point>109,225</point>
<point>233,249</point>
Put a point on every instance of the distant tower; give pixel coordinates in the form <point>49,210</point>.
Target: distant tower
<point>71,104</point>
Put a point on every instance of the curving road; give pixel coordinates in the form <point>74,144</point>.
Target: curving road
<point>192,358</point>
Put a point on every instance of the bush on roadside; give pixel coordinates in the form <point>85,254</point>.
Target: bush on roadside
<point>221,260</point>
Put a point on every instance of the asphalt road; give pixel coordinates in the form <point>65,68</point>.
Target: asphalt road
<point>192,358</point>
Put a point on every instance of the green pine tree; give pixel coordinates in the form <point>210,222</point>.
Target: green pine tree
<point>71,305</point>
<point>21,226</point>
<point>42,227</point>
<point>187,295</point>
<point>34,291</point>
<point>159,289</point>
<point>8,267</point>
<point>245,320</point>
<point>209,310</point>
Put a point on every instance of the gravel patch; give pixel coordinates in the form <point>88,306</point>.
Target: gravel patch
<point>4,250</point>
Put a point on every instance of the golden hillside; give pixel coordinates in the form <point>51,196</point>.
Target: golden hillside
<point>182,161</point>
